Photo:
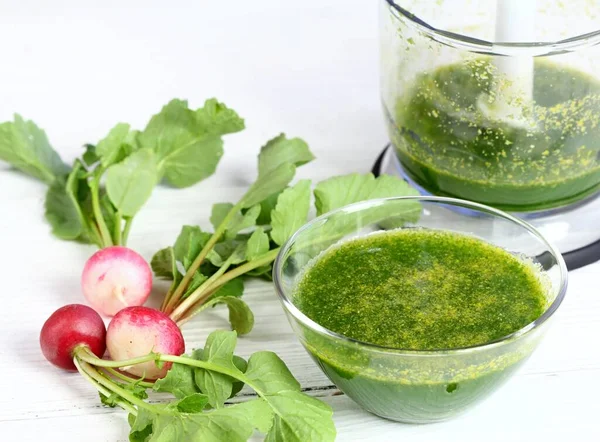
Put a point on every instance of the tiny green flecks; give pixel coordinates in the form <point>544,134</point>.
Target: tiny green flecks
<point>421,289</point>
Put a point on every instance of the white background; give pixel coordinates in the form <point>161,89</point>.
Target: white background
<point>307,68</point>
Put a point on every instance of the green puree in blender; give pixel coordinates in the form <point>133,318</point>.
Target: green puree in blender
<point>449,146</point>
<point>418,289</point>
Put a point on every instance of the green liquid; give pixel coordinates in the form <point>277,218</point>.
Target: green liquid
<point>418,289</point>
<point>450,147</point>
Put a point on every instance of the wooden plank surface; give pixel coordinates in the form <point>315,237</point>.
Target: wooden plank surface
<point>307,68</point>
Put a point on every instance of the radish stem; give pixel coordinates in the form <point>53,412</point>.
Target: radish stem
<point>105,234</point>
<point>202,255</point>
<point>267,258</point>
<point>117,232</point>
<point>112,386</point>
<point>104,391</point>
<point>196,295</point>
<point>125,237</point>
<point>87,356</point>
<point>125,378</point>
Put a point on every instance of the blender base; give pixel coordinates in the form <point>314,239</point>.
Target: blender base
<point>575,230</point>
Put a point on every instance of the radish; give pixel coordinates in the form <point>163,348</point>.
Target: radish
<point>114,278</point>
<point>136,332</point>
<point>69,327</point>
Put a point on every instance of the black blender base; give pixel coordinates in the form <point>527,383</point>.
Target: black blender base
<point>574,259</point>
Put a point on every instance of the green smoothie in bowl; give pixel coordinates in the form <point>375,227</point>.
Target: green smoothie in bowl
<point>417,324</point>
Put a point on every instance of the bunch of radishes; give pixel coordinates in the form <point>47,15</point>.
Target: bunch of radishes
<point>133,332</point>
<point>116,281</point>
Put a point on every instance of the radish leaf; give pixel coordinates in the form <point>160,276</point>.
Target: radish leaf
<point>299,418</point>
<point>233,288</point>
<point>130,183</point>
<point>219,349</point>
<point>193,403</point>
<point>62,206</point>
<point>188,143</point>
<point>270,374</point>
<point>342,190</point>
<point>281,150</point>
<point>179,381</point>
<point>238,222</point>
<point>277,164</point>
<point>291,211</point>
<point>258,244</point>
<point>25,147</point>
<point>141,425</point>
<point>231,424</point>
<point>189,243</point>
<point>163,264</point>
<point>112,149</point>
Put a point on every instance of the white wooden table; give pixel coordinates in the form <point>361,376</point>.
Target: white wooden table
<point>308,68</point>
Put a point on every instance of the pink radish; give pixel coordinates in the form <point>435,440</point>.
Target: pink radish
<point>115,278</point>
<point>138,331</point>
<point>69,327</point>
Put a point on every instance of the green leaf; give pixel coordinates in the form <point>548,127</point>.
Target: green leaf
<point>188,144</point>
<point>241,317</point>
<point>141,425</point>
<point>219,350</point>
<point>240,221</point>
<point>263,272</point>
<point>244,221</point>
<point>270,374</point>
<point>239,362</point>
<point>137,390</point>
<point>272,182</point>
<point>281,150</point>
<point>299,418</point>
<point>110,149</point>
<point>25,146</point>
<point>130,183</point>
<point>258,412</point>
<point>241,365</point>
<point>258,244</point>
<point>189,243</point>
<point>291,211</point>
<point>233,288</point>
<point>62,208</point>
<point>340,191</point>
<point>179,381</point>
<point>90,157</point>
<point>216,118</point>
<point>219,212</point>
<point>277,164</point>
<point>266,207</point>
<point>194,403</point>
<point>163,264</point>
<point>232,252</point>
<point>231,424</point>
<point>109,401</point>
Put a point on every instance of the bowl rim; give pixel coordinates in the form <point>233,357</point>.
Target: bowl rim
<point>472,44</point>
<point>314,326</point>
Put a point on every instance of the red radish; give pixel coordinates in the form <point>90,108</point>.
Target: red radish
<point>137,331</point>
<point>69,327</point>
<point>115,278</point>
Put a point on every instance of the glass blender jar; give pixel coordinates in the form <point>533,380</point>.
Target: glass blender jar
<point>498,102</point>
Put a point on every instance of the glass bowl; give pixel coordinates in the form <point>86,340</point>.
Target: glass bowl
<point>407,385</point>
